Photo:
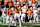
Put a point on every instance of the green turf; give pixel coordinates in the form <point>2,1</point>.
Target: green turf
<point>23,24</point>
<point>27,24</point>
<point>3,26</point>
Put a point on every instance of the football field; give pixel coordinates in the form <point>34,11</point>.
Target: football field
<point>23,25</point>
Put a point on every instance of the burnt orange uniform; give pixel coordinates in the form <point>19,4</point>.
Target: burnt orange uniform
<point>9,12</point>
<point>1,11</point>
<point>21,3</point>
<point>25,0</point>
<point>10,3</point>
<point>32,9</point>
<point>29,12</point>
<point>33,1</point>
<point>5,2</point>
<point>24,11</point>
<point>13,1</point>
<point>37,0</point>
<point>15,10</point>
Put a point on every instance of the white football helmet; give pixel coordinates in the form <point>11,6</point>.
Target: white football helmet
<point>34,8</point>
<point>17,2</point>
<point>24,6</point>
<point>30,8</point>
<point>35,0</point>
<point>12,8</point>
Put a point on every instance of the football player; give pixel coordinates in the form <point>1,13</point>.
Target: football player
<point>35,14</point>
<point>24,10</point>
<point>29,14</point>
<point>15,15</point>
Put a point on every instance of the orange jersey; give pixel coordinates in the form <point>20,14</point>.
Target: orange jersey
<point>15,10</point>
<point>37,0</point>
<point>9,12</point>
<point>0,2</point>
<point>10,3</point>
<point>29,12</point>
<point>21,3</point>
<point>13,2</point>
<point>5,2</point>
<point>33,1</point>
<point>32,9</point>
<point>24,11</point>
<point>25,0</point>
